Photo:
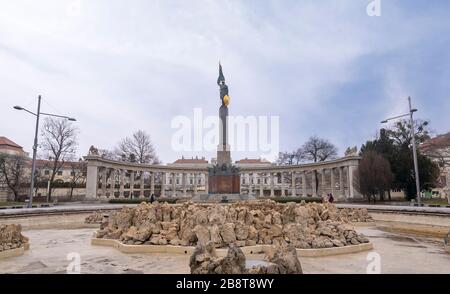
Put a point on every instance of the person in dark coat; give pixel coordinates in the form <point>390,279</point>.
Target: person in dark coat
<point>330,198</point>
<point>152,198</point>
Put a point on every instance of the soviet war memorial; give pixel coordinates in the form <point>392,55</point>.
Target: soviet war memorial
<point>225,145</point>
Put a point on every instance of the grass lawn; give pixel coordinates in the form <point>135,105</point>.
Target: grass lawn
<point>11,203</point>
<point>435,201</point>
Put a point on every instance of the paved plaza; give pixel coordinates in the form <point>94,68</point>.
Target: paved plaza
<point>400,253</point>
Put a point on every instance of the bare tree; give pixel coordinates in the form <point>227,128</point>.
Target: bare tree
<point>375,175</point>
<point>12,172</point>
<point>59,142</point>
<point>78,172</point>
<point>137,148</point>
<point>317,149</point>
<point>107,154</point>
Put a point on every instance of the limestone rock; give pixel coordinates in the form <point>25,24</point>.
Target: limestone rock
<point>305,225</point>
<point>202,233</point>
<point>227,233</point>
<point>11,237</point>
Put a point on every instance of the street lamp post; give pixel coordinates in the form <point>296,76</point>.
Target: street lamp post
<point>414,147</point>
<point>33,164</point>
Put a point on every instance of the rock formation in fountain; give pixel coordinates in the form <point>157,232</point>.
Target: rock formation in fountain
<point>311,225</point>
<point>11,237</point>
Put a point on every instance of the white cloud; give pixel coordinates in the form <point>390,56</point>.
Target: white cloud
<point>119,67</point>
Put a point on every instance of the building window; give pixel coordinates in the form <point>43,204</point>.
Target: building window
<point>60,173</point>
<point>72,173</point>
<point>178,181</point>
<point>46,172</point>
<point>191,181</point>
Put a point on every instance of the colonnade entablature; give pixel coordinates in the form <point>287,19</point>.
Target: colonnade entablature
<point>108,179</point>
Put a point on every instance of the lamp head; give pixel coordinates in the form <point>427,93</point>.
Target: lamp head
<point>72,119</point>
<point>384,121</point>
<point>18,107</point>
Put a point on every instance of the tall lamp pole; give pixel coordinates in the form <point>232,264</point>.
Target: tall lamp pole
<point>33,165</point>
<point>414,147</point>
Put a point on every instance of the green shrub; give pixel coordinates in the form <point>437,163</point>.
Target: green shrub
<point>294,199</point>
<point>137,200</point>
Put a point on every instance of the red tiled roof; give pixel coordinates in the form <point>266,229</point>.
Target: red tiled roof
<point>5,142</point>
<point>252,161</point>
<point>438,142</point>
<point>191,161</point>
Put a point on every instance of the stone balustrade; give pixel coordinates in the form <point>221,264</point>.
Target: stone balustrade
<point>116,179</point>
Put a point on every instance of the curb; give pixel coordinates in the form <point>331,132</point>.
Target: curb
<point>248,250</point>
<point>14,252</point>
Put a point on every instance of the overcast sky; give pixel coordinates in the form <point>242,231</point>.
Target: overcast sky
<point>325,67</point>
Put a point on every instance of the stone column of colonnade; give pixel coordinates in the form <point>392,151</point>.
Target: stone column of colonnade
<point>293,184</point>
<point>304,192</point>
<point>121,183</point>
<point>132,175</point>
<point>261,184</point>
<point>282,185</point>
<point>174,184</point>
<point>206,183</point>
<point>112,187</point>
<point>184,180</point>
<point>152,183</point>
<point>141,184</point>
<point>332,182</point>
<point>195,184</point>
<point>250,183</point>
<point>272,184</point>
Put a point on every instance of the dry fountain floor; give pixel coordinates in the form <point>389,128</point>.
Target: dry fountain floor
<point>400,253</point>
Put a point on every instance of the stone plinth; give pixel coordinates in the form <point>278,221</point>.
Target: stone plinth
<point>224,184</point>
<point>224,179</point>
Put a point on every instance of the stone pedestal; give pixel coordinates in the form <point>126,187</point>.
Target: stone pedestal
<point>224,184</point>
<point>224,179</point>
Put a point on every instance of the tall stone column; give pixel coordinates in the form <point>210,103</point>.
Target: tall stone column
<point>112,180</point>
<point>250,182</point>
<point>304,192</point>
<point>163,184</point>
<point>313,183</point>
<point>272,185</point>
<point>132,173</point>
<point>333,183</point>
<point>323,182</point>
<point>351,188</point>
<point>174,184</point>
<point>282,185</point>
<point>195,184</point>
<point>183,179</point>
<point>261,185</point>
<point>142,185</point>
<point>104,182</point>
<point>293,192</point>
<point>91,181</point>
<point>121,183</point>
<point>206,183</point>
<point>341,183</point>
<point>152,183</point>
